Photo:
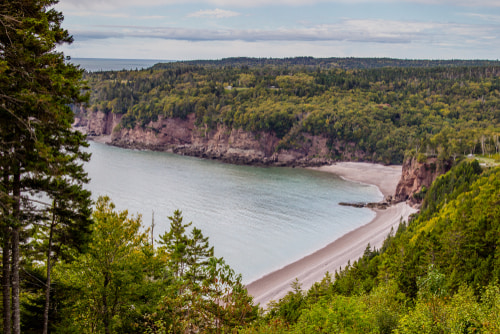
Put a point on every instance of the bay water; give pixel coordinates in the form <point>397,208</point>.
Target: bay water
<point>258,218</point>
<point>104,64</point>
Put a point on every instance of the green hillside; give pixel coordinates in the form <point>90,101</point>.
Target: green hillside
<point>437,274</point>
<point>443,108</point>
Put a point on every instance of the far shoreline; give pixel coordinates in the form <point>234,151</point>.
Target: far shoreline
<point>349,247</point>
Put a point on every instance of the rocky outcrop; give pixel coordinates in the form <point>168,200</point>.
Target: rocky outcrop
<point>96,123</point>
<point>417,175</point>
<point>372,205</point>
<point>183,136</point>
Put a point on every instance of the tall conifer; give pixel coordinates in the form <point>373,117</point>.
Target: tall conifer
<point>40,156</point>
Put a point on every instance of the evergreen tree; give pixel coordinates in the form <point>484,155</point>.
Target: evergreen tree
<point>40,155</point>
<point>205,294</point>
<point>111,280</point>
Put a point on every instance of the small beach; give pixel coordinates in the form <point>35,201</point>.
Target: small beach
<point>312,268</point>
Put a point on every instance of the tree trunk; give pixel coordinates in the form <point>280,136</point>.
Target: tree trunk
<point>482,144</point>
<point>105,305</point>
<point>6,272</point>
<point>49,268</point>
<point>6,280</point>
<point>16,310</point>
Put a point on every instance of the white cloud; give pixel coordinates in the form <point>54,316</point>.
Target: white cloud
<point>485,17</point>
<point>114,15</point>
<point>94,14</point>
<point>117,4</point>
<point>354,30</point>
<point>214,13</point>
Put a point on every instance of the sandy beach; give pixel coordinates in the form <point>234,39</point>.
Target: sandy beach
<point>386,178</point>
<point>349,247</point>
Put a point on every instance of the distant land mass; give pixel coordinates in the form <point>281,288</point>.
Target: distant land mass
<point>334,62</point>
<point>304,111</point>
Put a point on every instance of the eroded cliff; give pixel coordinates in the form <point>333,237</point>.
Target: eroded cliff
<point>417,175</point>
<point>238,146</point>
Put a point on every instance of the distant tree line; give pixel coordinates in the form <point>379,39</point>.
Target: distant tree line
<point>386,112</point>
<point>332,62</point>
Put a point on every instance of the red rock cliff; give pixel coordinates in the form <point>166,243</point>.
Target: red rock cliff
<point>96,123</point>
<point>238,146</point>
<point>417,175</point>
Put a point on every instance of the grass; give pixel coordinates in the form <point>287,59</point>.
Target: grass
<point>489,160</point>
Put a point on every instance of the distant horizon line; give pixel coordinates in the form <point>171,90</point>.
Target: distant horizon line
<point>333,57</point>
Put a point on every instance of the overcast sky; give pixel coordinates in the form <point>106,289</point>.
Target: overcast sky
<point>214,29</point>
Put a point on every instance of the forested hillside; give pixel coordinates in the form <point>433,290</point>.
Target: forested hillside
<point>438,108</point>
<point>437,274</point>
<point>73,266</point>
<point>334,62</point>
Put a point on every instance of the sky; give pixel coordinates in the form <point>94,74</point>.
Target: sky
<point>215,29</point>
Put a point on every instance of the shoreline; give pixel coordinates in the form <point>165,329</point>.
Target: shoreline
<point>103,139</point>
<point>385,178</point>
<point>347,248</point>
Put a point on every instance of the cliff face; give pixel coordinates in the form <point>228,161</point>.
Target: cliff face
<point>417,175</point>
<point>237,146</point>
<point>229,145</point>
<point>96,123</point>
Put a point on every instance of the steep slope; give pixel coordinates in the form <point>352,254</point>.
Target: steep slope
<point>233,145</point>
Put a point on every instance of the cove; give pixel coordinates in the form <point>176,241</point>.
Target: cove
<point>259,219</point>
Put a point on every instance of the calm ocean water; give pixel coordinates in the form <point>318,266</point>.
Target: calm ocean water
<point>103,64</point>
<point>258,219</point>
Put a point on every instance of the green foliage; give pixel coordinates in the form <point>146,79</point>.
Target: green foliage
<point>387,304</point>
<point>432,285</point>
<point>433,110</point>
<point>437,274</point>
<point>204,293</point>
<point>187,254</point>
<point>434,314</point>
<point>110,279</point>
<point>290,307</point>
<point>447,186</point>
<point>338,315</point>
<point>42,200</point>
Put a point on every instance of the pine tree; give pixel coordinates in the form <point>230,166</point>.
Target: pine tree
<point>40,155</point>
<point>205,294</point>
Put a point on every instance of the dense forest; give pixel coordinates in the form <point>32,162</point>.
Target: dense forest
<point>71,265</point>
<point>382,107</point>
<point>439,273</point>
